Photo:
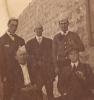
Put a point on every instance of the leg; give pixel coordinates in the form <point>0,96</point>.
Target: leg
<point>49,89</point>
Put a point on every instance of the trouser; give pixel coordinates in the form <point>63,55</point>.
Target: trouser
<point>49,87</point>
<point>27,95</point>
<point>7,92</point>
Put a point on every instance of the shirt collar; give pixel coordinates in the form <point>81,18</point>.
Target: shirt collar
<point>25,65</point>
<point>76,64</point>
<point>39,38</point>
<point>8,33</point>
<point>64,33</point>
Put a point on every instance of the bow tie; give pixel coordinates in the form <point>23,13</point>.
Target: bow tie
<point>13,35</point>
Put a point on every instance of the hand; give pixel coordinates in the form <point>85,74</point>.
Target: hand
<point>31,87</point>
<point>25,89</point>
<point>4,79</point>
<point>80,75</point>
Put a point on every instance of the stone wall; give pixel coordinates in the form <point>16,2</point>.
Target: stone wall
<point>49,12</point>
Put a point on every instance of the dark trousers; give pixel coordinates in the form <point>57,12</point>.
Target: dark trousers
<point>27,95</point>
<point>49,87</point>
<point>7,91</point>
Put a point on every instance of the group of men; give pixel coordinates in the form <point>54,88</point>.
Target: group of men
<point>27,67</point>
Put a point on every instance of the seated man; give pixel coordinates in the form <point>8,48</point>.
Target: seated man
<point>24,85</point>
<point>76,79</point>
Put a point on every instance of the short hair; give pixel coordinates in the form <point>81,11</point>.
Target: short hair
<point>38,25</point>
<point>12,19</point>
<point>64,20</point>
<point>73,50</point>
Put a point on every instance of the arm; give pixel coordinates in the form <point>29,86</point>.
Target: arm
<point>54,52</point>
<point>89,77</point>
<point>79,43</point>
<point>64,80</point>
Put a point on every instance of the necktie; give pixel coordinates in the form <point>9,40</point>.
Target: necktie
<point>39,40</point>
<point>74,68</point>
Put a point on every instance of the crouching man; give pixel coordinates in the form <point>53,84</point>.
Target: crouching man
<point>76,80</point>
<point>24,85</point>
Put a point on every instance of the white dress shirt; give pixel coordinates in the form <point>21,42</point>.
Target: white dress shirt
<point>64,33</point>
<point>9,34</point>
<point>39,39</point>
<point>74,64</point>
<point>25,74</point>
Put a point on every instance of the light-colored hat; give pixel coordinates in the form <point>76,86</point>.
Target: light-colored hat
<point>38,25</point>
<point>64,20</point>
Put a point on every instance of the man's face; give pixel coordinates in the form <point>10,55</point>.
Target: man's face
<point>21,56</point>
<point>12,27</point>
<point>64,26</point>
<point>39,31</point>
<point>74,56</point>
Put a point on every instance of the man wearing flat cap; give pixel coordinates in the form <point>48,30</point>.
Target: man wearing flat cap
<point>9,42</point>
<point>40,51</point>
<point>62,43</point>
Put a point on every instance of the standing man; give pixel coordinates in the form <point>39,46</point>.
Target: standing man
<point>40,52</point>
<point>9,42</point>
<point>62,43</point>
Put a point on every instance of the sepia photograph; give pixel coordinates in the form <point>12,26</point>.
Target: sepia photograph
<point>47,50</point>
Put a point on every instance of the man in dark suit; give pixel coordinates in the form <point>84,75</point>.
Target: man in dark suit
<point>40,52</point>
<point>9,42</point>
<point>62,43</point>
<point>76,80</point>
<point>24,85</point>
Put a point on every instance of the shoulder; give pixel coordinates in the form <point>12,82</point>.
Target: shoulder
<point>73,34</point>
<point>47,39</point>
<point>86,66</point>
<point>20,38</point>
<point>31,41</point>
<point>58,35</point>
<point>3,38</point>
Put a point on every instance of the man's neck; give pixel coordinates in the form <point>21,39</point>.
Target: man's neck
<point>64,33</point>
<point>25,63</point>
<point>75,63</point>
<point>39,36</point>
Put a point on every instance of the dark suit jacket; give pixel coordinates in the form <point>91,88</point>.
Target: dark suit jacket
<point>75,87</point>
<point>62,45</point>
<point>41,57</point>
<point>8,50</point>
<point>18,78</point>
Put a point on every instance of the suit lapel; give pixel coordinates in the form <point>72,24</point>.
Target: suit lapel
<point>20,74</point>
<point>8,39</point>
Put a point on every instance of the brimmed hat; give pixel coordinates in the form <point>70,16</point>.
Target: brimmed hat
<point>38,25</point>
